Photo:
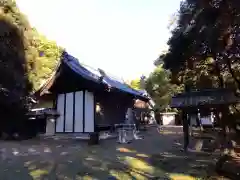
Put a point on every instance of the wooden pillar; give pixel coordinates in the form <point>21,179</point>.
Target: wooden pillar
<point>223,120</point>
<point>227,142</point>
<point>185,129</point>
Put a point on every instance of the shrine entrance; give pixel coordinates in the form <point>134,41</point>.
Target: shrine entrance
<point>206,110</point>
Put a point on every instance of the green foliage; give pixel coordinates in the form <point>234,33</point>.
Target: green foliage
<point>26,59</point>
<point>48,54</point>
<point>135,84</point>
<point>159,87</point>
<point>41,54</point>
<point>204,47</point>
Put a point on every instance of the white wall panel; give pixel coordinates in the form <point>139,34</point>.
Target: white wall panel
<point>60,109</point>
<point>89,112</point>
<point>78,111</point>
<point>69,113</point>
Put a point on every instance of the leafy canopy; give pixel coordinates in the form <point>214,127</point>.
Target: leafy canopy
<point>160,89</point>
<point>135,84</point>
<point>41,54</point>
<point>26,60</point>
<point>204,47</point>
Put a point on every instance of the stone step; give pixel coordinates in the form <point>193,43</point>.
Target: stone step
<point>80,136</point>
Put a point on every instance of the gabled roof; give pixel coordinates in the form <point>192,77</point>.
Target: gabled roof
<point>78,68</point>
<point>95,75</point>
<point>151,102</point>
<point>204,97</point>
<point>118,84</point>
<point>206,92</point>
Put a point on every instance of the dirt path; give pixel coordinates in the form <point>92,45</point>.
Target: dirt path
<point>157,156</point>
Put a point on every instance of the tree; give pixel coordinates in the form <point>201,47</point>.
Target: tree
<point>207,30</point>
<point>40,53</point>
<point>204,47</point>
<point>159,87</point>
<point>48,54</point>
<point>135,84</point>
<point>26,59</point>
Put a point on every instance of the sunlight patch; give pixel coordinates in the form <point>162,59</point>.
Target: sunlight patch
<point>138,164</point>
<point>38,173</point>
<point>181,177</point>
<point>126,150</point>
<point>87,177</point>
<point>120,175</point>
<point>139,176</point>
<point>89,159</point>
<point>142,155</point>
<point>141,169</point>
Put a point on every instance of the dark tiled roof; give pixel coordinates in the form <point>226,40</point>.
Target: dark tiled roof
<point>204,97</point>
<point>95,75</point>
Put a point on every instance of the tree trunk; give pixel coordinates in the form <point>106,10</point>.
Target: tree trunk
<point>226,137</point>
<point>219,75</point>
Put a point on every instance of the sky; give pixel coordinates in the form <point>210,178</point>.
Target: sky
<point>123,37</point>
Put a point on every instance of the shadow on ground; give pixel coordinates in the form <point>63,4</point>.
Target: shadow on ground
<point>157,156</point>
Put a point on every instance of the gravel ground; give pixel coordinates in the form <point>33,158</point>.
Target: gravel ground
<point>157,156</point>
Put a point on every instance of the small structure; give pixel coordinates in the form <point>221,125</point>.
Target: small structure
<point>168,118</point>
<point>145,110</point>
<point>85,98</point>
<point>43,119</point>
<point>203,103</point>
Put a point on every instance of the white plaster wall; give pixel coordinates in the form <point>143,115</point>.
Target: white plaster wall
<point>81,124</point>
<point>69,113</point>
<point>60,109</point>
<point>168,119</point>
<point>89,112</point>
<point>206,120</point>
<point>79,111</point>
